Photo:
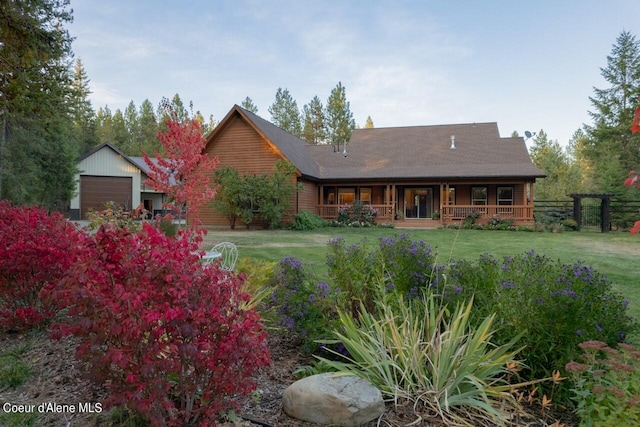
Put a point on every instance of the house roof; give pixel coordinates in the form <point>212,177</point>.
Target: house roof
<point>144,167</point>
<point>413,152</point>
<point>425,152</point>
<point>136,161</point>
<point>115,149</point>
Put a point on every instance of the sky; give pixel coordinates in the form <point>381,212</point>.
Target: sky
<point>527,65</point>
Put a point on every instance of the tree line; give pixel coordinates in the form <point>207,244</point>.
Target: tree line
<point>315,123</point>
<point>600,155</point>
<point>47,120</point>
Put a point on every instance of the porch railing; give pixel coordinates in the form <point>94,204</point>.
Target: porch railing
<point>460,212</point>
<point>385,212</point>
<point>448,213</point>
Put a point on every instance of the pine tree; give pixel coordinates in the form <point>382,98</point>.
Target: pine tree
<point>148,129</point>
<point>120,133</point>
<point>285,114</point>
<point>171,110</point>
<point>610,148</point>
<point>339,118</point>
<point>179,110</point>
<point>549,156</point>
<point>248,105</point>
<point>314,130</point>
<point>104,124</point>
<point>131,146</point>
<point>83,116</point>
<point>35,93</point>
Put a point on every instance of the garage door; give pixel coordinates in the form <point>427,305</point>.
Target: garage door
<point>95,191</point>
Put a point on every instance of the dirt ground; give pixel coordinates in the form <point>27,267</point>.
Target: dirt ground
<point>57,379</point>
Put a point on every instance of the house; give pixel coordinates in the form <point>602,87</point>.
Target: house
<point>414,176</point>
<point>108,175</point>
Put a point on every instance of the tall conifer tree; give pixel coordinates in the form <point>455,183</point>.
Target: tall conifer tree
<point>315,131</point>
<point>285,114</point>
<point>339,118</point>
<point>35,89</point>
<point>610,147</point>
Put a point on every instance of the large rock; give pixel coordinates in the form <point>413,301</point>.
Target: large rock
<point>330,399</point>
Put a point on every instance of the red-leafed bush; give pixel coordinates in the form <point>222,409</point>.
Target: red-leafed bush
<point>166,336</point>
<point>36,250</point>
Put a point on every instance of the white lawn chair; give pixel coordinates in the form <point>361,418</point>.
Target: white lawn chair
<point>225,253</point>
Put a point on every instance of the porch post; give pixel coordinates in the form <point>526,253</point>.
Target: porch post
<point>447,201</point>
<point>386,201</point>
<point>443,199</point>
<point>393,201</point>
<point>526,202</point>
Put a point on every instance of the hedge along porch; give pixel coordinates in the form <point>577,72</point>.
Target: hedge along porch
<point>413,176</point>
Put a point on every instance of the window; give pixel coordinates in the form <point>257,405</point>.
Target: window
<point>505,195</point>
<point>365,196</point>
<point>452,195</point>
<point>479,195</point>
<point>346,196</point>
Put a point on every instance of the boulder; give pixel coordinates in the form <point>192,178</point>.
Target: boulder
<point>331,399</point>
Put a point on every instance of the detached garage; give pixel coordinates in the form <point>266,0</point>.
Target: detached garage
<point>109,175</point>
<point>98,190</point>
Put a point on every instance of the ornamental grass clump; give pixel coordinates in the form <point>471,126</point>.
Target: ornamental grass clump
<point>431,356</point>
<point>606,384</point>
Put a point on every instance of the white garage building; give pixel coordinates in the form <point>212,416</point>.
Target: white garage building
<point>108,175</point>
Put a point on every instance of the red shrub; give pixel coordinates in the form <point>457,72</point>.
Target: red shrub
<point>36,250</point>
<point>166,336</point>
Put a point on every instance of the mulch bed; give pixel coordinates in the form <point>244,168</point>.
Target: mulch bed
<point>57,378</point>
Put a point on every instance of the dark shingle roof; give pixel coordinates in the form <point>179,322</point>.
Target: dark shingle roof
<point>407,152</point>
<point>425,152</point>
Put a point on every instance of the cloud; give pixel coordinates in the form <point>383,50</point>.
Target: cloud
<point>104,94</point>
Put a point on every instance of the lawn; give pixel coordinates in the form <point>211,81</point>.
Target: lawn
<point>616,255</point>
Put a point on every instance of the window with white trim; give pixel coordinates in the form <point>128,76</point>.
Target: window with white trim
<point>504,195</point>
<point>479,195</point>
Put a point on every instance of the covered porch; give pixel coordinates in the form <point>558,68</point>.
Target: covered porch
<point>430,204</point>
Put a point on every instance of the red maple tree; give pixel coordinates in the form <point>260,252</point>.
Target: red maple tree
<point>633,175</point>
<point>181,173</point>
<point>635,124</point>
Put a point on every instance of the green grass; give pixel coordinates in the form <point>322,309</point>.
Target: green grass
<point>13,370</point>
<point>15,419</point>
<point>616,255</point>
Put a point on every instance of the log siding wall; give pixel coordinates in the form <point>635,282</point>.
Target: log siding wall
<point>239,146</point>
<point>308,197</point>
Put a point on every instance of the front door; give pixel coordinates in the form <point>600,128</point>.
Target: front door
<point>418,203</point>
